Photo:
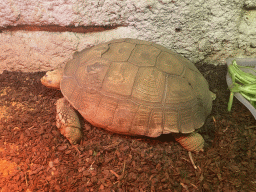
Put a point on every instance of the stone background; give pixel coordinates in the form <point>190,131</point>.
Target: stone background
<point>38,35</point>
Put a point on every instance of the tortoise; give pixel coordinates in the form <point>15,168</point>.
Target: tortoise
<point>132,87</point>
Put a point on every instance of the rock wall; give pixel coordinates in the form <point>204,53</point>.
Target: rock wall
<point>41,35</point>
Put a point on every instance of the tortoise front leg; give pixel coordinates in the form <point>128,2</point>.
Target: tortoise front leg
<point>68,121</point>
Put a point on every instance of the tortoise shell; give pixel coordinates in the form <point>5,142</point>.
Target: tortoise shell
<point>136,87</point>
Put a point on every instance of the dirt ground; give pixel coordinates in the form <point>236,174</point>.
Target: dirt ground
<point>35,157</point>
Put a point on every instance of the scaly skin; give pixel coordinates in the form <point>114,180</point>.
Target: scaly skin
<point>192,142</point>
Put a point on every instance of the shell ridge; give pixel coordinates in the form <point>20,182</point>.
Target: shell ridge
<point>131,54</point>
<point>163,101</point>
<point>104,79</point>
<point>165,89</point>
<point>118,101</point>
<point>163,120</point>
<point>179,118</point>
<point>157,58</point>
<point>148,123</point>
<point>133,84</point>
<point>132,124</point>
<point>98,104</point>
<point>107,70</point>
<point>183,72</point>
<point>105,51</point>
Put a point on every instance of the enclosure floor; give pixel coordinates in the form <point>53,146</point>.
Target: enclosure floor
<point>34,156</point>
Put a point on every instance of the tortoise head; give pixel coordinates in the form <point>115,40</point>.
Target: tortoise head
<point>52,78</point>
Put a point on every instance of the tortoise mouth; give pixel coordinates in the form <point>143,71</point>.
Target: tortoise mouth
<point>44,81</point>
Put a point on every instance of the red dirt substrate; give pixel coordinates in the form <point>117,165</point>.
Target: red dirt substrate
<point>35,157</point>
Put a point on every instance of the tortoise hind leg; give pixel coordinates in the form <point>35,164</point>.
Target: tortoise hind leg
<point>68,122</point>
<point>192,142</point>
